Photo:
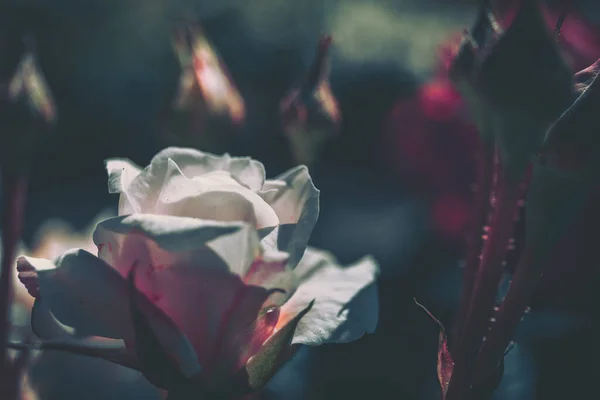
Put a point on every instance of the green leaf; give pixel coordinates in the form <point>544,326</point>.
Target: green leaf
<point>275,352</point>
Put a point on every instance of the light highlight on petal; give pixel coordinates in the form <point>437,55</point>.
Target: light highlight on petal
<point>345,299</point>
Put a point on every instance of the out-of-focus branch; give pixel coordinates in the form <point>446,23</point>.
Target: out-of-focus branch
<point>26,107</point>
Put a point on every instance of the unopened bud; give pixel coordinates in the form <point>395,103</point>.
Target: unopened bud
<point>309,112</point>
<point>26,107</point>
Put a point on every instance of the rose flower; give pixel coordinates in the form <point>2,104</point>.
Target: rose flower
<point>203,282</point>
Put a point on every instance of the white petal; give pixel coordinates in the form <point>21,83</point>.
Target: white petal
<point>120,174</point>
<point>192,270</point>
<point>146,187</point>
<point>271,271</point>
<point>346,303</point>
<point>113,350</point>
<point>296,202</point>
<point>45,325</point>
<point>159,240</point>
<point>238,250</point>
<point>205,303</point>
<point>85,293</point>
<point>214,195</point>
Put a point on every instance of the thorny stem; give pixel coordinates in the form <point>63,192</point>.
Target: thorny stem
<point>507,194</point>
<point>561,18</point>
<point>559,23</point>
<point>14,189</point>
<point>509,315</point>
<point>483,184</point>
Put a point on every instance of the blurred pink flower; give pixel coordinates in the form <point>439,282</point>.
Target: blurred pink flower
<point>218,256</point>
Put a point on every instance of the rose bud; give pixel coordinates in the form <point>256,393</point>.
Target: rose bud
<point>203,282</point>
<point>309,112</point>
<point>26,105</point>
<point>207,108</point>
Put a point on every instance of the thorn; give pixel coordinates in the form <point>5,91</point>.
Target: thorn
<point>559,24</point>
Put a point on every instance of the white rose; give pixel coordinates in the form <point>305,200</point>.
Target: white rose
<point>216,259</point>
<point>189,183</point>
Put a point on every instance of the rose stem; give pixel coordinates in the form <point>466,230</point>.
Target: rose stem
<point>14,189</point>
<point>485,169</point>
<point>525,279</point>
<point>507,194</point>
<point>509,315</point>
<point>483,184</point>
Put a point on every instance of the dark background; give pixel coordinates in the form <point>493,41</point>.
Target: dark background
<point>113,73</point>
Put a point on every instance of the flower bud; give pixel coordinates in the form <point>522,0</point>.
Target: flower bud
<point>207,105</point>
<point>26,104</point>
<point>309,112</point>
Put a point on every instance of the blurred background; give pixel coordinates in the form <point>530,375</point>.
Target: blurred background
<point>394,163</point>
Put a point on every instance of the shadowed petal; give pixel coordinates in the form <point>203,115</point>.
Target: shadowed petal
<point>45,325</point>
<point>150,346</point>
<point>253,314</point>
<point>296,202</point>
<point>345,299</point>
<point>271,271</point>
<point>113,350</point>
<point>87,294</point>
<point>82,292</point>
<point>159,240</point>
<point>195,281</point>
<point>202,302</point>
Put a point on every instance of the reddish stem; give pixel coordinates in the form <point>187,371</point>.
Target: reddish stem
<point>483,185</point>
<point>486,285</point>
<point>509,315</point>
<point>14,189</point>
